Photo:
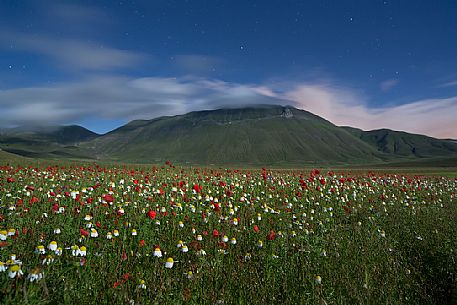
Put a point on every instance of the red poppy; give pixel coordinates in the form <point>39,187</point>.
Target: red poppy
<point>215,233</point>
<point>222,245</point>
<point>256,229</point>
<point>152,214</point>
<point>197,188</point>
<point>83,232</point>
<point>108,198</point>
<point>271,235</point>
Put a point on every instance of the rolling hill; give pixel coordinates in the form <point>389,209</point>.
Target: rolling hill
<point>251,135</point>
<point>406,144</point>
<point>46,142</point>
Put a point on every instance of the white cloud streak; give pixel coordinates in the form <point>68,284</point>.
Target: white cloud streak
<point>448,84</point>
<point>389,84</point>
<point>433,117</point>
<point>124,98</point>
<point>73,54</point>
<point>197,64</point>
<point>121,98</point>
<point>75,14</point>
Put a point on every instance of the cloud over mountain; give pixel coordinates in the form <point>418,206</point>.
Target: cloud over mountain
<point>126,98</point>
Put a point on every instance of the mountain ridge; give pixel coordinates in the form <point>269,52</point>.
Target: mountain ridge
<point>261,134</point>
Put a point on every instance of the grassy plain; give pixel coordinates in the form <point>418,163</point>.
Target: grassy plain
<point>254,236</point>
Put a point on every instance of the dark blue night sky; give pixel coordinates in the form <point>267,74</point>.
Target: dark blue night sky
<point>369,64</point>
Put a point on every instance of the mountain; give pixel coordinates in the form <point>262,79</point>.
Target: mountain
<point>6,157</point>
<point>406,144</point>
<point>251,135</point>
<point>46,142</point>
<point>71,134</point>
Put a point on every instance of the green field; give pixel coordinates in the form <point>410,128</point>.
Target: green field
<point>254,236</point>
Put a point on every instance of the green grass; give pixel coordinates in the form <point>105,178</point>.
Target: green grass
<point>373,238</point>
<point>6,157</point>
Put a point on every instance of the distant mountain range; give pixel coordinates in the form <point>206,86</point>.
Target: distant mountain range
<point>252,135</point>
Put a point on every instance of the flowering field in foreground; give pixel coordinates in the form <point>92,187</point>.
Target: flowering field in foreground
<point>168,235</point>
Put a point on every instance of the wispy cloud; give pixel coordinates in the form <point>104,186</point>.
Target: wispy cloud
<point>389,84</point>
<point>116,97</point>
<point>449,84</point>
<point>127,98</point>
<point>343,106</point>
<point>72,13</point>
<point>197,64</point>
<point>73,53</point>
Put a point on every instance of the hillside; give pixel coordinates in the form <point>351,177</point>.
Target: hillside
<point>252,135</point>
<point>46,142</point>
<point>405,144</point>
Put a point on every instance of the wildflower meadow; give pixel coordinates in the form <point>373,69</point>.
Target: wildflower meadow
<point>90,233</point>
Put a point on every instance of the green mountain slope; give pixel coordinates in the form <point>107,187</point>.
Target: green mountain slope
<point>46,142</point>
<point>405,144</point>
<point>71,134</point>
<point>254,135</point>
<point>6,157</point>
